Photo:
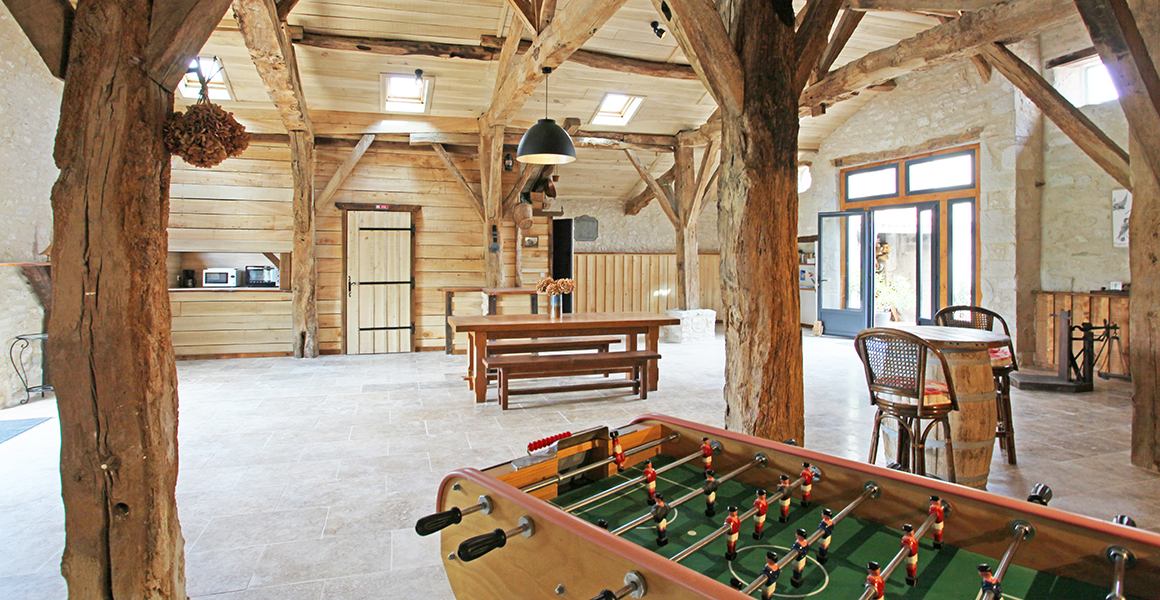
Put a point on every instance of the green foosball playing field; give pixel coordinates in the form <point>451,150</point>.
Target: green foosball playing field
<point>946,573</point>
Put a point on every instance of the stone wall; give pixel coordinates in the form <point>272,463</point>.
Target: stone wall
<point>649,231</point>
<point>28,116</point>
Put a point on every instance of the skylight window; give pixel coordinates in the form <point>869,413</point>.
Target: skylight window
<point>406,93</point>
<point>616,109</point>
<point>215,75</point>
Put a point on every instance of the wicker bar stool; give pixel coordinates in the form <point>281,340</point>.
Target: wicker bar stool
<point>1002,365</point>
<point>896,373</point>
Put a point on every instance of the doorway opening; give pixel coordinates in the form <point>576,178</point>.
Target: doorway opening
<point>379,282</point>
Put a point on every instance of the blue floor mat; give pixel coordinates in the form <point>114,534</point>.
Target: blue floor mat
<point>11,429</point>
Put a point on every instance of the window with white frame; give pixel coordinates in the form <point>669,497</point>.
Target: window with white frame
<point>616,109</point>
<point>406,93</point>
<point>1084,82</point>
<point>214,73</point>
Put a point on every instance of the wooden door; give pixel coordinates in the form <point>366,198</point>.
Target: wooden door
<point>379,282</point>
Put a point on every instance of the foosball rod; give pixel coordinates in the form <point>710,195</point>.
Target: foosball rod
<point>868,593</point>
<point>557,478</point>
<point>1020,531</point>
<point>760,459</point>
<point>636,480</point>
<point>1122,559</point>
<point>869,490</point>
<point>720,531</point>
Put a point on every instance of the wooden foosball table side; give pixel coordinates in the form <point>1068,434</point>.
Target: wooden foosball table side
<point>1065,544</point>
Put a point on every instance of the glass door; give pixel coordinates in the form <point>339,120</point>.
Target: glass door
<point>845,288</point>
<point>905,269</point>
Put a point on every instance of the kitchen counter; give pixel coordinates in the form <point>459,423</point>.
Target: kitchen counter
<point>228,289</point>
<point>245,322</point>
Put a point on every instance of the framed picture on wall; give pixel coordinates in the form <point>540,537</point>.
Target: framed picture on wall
<point>1121,214</point>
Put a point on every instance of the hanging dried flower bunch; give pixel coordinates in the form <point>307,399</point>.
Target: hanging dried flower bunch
<point>205,134</point>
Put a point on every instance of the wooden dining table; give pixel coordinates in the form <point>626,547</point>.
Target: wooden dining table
<point>973,424</point>
<point>481,328</point>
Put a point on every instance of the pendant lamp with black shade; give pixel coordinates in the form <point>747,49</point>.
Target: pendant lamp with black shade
<point>546,143</point>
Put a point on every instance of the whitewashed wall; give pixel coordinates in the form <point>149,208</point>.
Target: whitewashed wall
<point>649,231</point>
<point>29,110</point>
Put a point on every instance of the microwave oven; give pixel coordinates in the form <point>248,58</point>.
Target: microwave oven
<point>219,277</point>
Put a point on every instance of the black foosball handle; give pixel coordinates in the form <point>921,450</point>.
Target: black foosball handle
<point>605,595</point>
<point>479,545</point>
<point>438,521</point>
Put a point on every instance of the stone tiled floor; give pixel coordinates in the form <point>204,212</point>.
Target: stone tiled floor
<point>301,480</point>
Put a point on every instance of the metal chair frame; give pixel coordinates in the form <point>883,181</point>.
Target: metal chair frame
<point>911,446</point>
<point>983,319</point>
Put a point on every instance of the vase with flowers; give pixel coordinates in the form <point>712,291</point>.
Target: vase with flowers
<point>555,288</point>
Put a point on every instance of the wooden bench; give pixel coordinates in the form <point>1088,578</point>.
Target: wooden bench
<point>511,367</point>
<point>554,344</point>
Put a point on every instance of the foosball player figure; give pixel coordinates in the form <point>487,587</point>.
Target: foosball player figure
<point>989,583</point>
<point>706,453</point>
<point>710,489</point>
<point>911,544</point>
<point>617,451</point>
<point>734,525</point>
<point>762,506</point>
<point>874,580</point>
<point>784,499</point>
<point>770,573</point>
<point>660,514</point>
<point>650,482</point>
<point>936,508</point>
<point>827,529</point>
<point>807,476</point>
<point>800,550</point>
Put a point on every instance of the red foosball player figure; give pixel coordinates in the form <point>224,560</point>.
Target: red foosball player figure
<point>617,451</point>
<point>762,506</point>
<point>827,529</point>
<point>650,481</point>
<point>911,544</point>
<point>807,476</point>
<point>784,499</point>
<point>800,550</point>
<point>770,573</point>
<point>989,583</point>
<point>874,580</point>
<point>706,454</point>
<point>660,514</point>
<point>710,488</point>
<point>734,525</point>
<point>936,508</point>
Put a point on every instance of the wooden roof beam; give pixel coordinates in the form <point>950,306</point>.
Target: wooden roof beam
<point>978,61</point>
<point>592,141</point>
<point>1123,50</point>
<point>846,26</point>
<point>525,13</point>
<point>572,26</point>
<point>608,62</point>
<point>273,56</point>
<point>284,8</point>
<point>816,21</point>
<point>344,170</point>
<point>48,25</point>
<point>662,192</point>
<point>949,42</point>
<point>637,203</point>
<point>702,36</point>
<point>177,31</point>
<point>924,6</point>
<point>474,199</point>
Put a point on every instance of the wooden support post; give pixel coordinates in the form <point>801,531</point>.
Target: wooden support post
<point>491,174</point>
<point>688,263</point>
<point>111,350</point>
<point>1128,41</point>
<point>304,277</point>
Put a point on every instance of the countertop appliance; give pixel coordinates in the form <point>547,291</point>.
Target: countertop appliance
<point>261,276</point>
<point>219,277</point>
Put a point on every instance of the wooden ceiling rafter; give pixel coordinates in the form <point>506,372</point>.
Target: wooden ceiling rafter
<point>1077,126</point>
<point>705,179</point>
<point>847,24</point>
<point>663,192</point>
<point>982,67</point>
<point>525,12</point>
<point>273,56</point>
<point>634,205</point>
<point>48,25</point>
<point>284,8</point>
<point>817,19</point>
<point>593,141</point>
<point>921,6</point>
<point>177,31</point>
<point>571,27</point>
<point>1123,49</point>
<point>475,200</point>
<point>942,44</point>
<point>344,170</point>
<point>608,62</point>
<point>702,36</point>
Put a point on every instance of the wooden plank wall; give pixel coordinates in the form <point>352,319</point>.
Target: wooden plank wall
<point>608,282</point>
<point>241,205</point>
<point>449,234</point>
<point>1084,307</point>
<point>223,323</point>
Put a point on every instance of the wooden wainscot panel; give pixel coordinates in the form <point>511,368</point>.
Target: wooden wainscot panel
<point>1094,307</point>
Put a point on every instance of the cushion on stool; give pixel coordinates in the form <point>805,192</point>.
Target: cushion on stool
<point>936,392</point>
<point>1000,357</point>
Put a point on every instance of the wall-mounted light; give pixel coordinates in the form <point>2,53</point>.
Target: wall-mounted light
<point>418,75</point>
<point>656,27</point>
<point>509,163</point>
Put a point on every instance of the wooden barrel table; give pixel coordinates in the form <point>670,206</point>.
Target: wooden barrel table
<point>973,424</point>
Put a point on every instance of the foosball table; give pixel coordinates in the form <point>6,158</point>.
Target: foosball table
<point>667,508</point>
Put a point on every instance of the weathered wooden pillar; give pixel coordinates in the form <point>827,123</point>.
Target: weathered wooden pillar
<point>688,261</point>
<point>304,276</point>
<point>491,177</point>
<point>113,367</point>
